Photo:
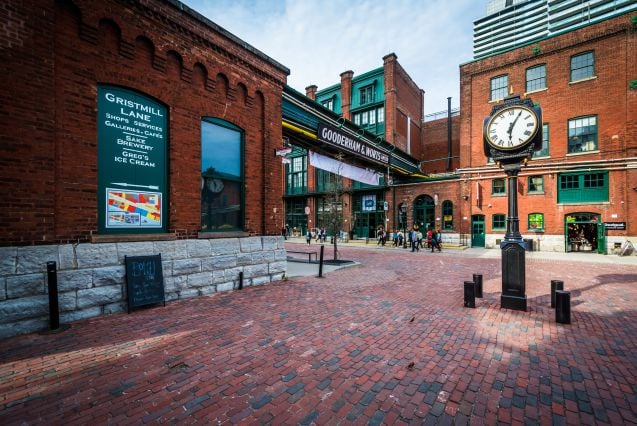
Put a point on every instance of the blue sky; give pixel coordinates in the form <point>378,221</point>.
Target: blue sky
<point>319,39</point>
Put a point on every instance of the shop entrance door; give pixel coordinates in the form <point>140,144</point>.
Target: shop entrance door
<point>477,230</point>
<point>424,213</point>
<point>601,238</point>
<point>584,232</point>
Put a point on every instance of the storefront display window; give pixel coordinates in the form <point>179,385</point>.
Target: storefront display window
<point>536,222</point>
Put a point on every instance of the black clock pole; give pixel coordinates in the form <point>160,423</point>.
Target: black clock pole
<point>513,249</point>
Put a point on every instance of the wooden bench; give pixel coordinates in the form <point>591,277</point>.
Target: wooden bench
<point>309,254</point>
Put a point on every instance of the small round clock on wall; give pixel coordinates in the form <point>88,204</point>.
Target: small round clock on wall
<point>512,127</point>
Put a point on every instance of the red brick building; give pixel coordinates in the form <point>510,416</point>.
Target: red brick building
<point>133,128</point>
<point>580,192</point>
<point>59,57</point>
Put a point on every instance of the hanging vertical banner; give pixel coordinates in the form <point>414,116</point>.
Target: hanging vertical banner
<point>132,132</point>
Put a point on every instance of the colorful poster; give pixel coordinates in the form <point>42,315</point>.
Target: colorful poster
<point>129,209</point>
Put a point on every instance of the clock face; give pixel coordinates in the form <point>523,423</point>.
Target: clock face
<point>215,185</point>
<point>512,127</point>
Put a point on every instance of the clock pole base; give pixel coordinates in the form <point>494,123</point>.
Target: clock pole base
<point>513,302</point>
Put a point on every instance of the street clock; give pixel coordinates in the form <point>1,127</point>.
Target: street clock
<point>512,132</point>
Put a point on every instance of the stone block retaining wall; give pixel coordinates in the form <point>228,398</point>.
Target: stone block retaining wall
<point>92,277</point>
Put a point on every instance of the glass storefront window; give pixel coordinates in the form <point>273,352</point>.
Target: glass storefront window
<point>221,176</point>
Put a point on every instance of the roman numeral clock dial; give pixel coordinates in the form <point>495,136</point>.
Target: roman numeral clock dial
<point>512,127</point>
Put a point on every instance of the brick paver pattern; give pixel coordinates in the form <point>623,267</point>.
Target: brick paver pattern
<point>384,342</point>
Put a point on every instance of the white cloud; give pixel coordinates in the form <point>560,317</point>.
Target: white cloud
<point>319,39</point>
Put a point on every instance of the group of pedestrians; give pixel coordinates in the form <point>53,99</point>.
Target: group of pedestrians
<point>319,234</point>
<point>433,240</point>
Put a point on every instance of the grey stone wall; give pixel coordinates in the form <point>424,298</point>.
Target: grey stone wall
<point>91,277</point>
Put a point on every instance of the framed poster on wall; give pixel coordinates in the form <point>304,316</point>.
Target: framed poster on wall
<point>132,133</point>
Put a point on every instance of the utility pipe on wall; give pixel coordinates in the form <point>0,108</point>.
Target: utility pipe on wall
<point>449,133</point>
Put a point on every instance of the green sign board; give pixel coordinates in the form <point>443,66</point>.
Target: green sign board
<point>132,132</point>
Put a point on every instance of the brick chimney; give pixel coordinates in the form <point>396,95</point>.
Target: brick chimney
<point>310,92</point>
<point>346,94</point>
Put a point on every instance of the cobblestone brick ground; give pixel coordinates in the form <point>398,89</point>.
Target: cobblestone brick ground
<point>384,342</point>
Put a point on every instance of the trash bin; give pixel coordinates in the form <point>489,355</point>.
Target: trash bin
<point>529,244</point>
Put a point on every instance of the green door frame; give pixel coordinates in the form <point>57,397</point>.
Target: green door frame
<point>601,229</point>
<point>475,220</point>
<point>424,212</point>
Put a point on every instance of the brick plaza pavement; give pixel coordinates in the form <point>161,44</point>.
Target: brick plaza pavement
<point>383,342</point>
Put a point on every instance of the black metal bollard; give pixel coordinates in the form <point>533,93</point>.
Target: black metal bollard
<point>54,308</point>
<point>555,285</point>
<point>563,307</point>
<point>469,294</point>
<point>477,279</point>
<point>320,275</point>
<point>241,280</point>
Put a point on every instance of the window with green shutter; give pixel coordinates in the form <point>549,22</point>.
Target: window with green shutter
<point>583,187</point>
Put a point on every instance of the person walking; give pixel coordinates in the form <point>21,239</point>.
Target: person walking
<point>439,241</point>
<point>429,237</point>
<point>434,240</point>
<point>414,240</point>
<point>308,237</point>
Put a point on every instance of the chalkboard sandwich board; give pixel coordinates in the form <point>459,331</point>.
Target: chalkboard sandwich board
<point>144,281</point>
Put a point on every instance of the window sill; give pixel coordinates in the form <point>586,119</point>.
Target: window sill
<point>125,238</point>
<point>583,80</point>
<point>535,193</point>
<point>575,154</point>
<point>499,195</point>
<point>582,203</point>
<point>536,91</point>
<point>222,234</point>
<point>498,230</point>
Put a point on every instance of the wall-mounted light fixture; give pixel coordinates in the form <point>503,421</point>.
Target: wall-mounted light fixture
<point>465,197</point>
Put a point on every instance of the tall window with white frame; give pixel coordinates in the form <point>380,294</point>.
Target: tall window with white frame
<point>499,87</point>
<point>536,78</point>
<point>582,66</point>
<point>222,176</point>
<point>582,134</point>
<point>366,94</point>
